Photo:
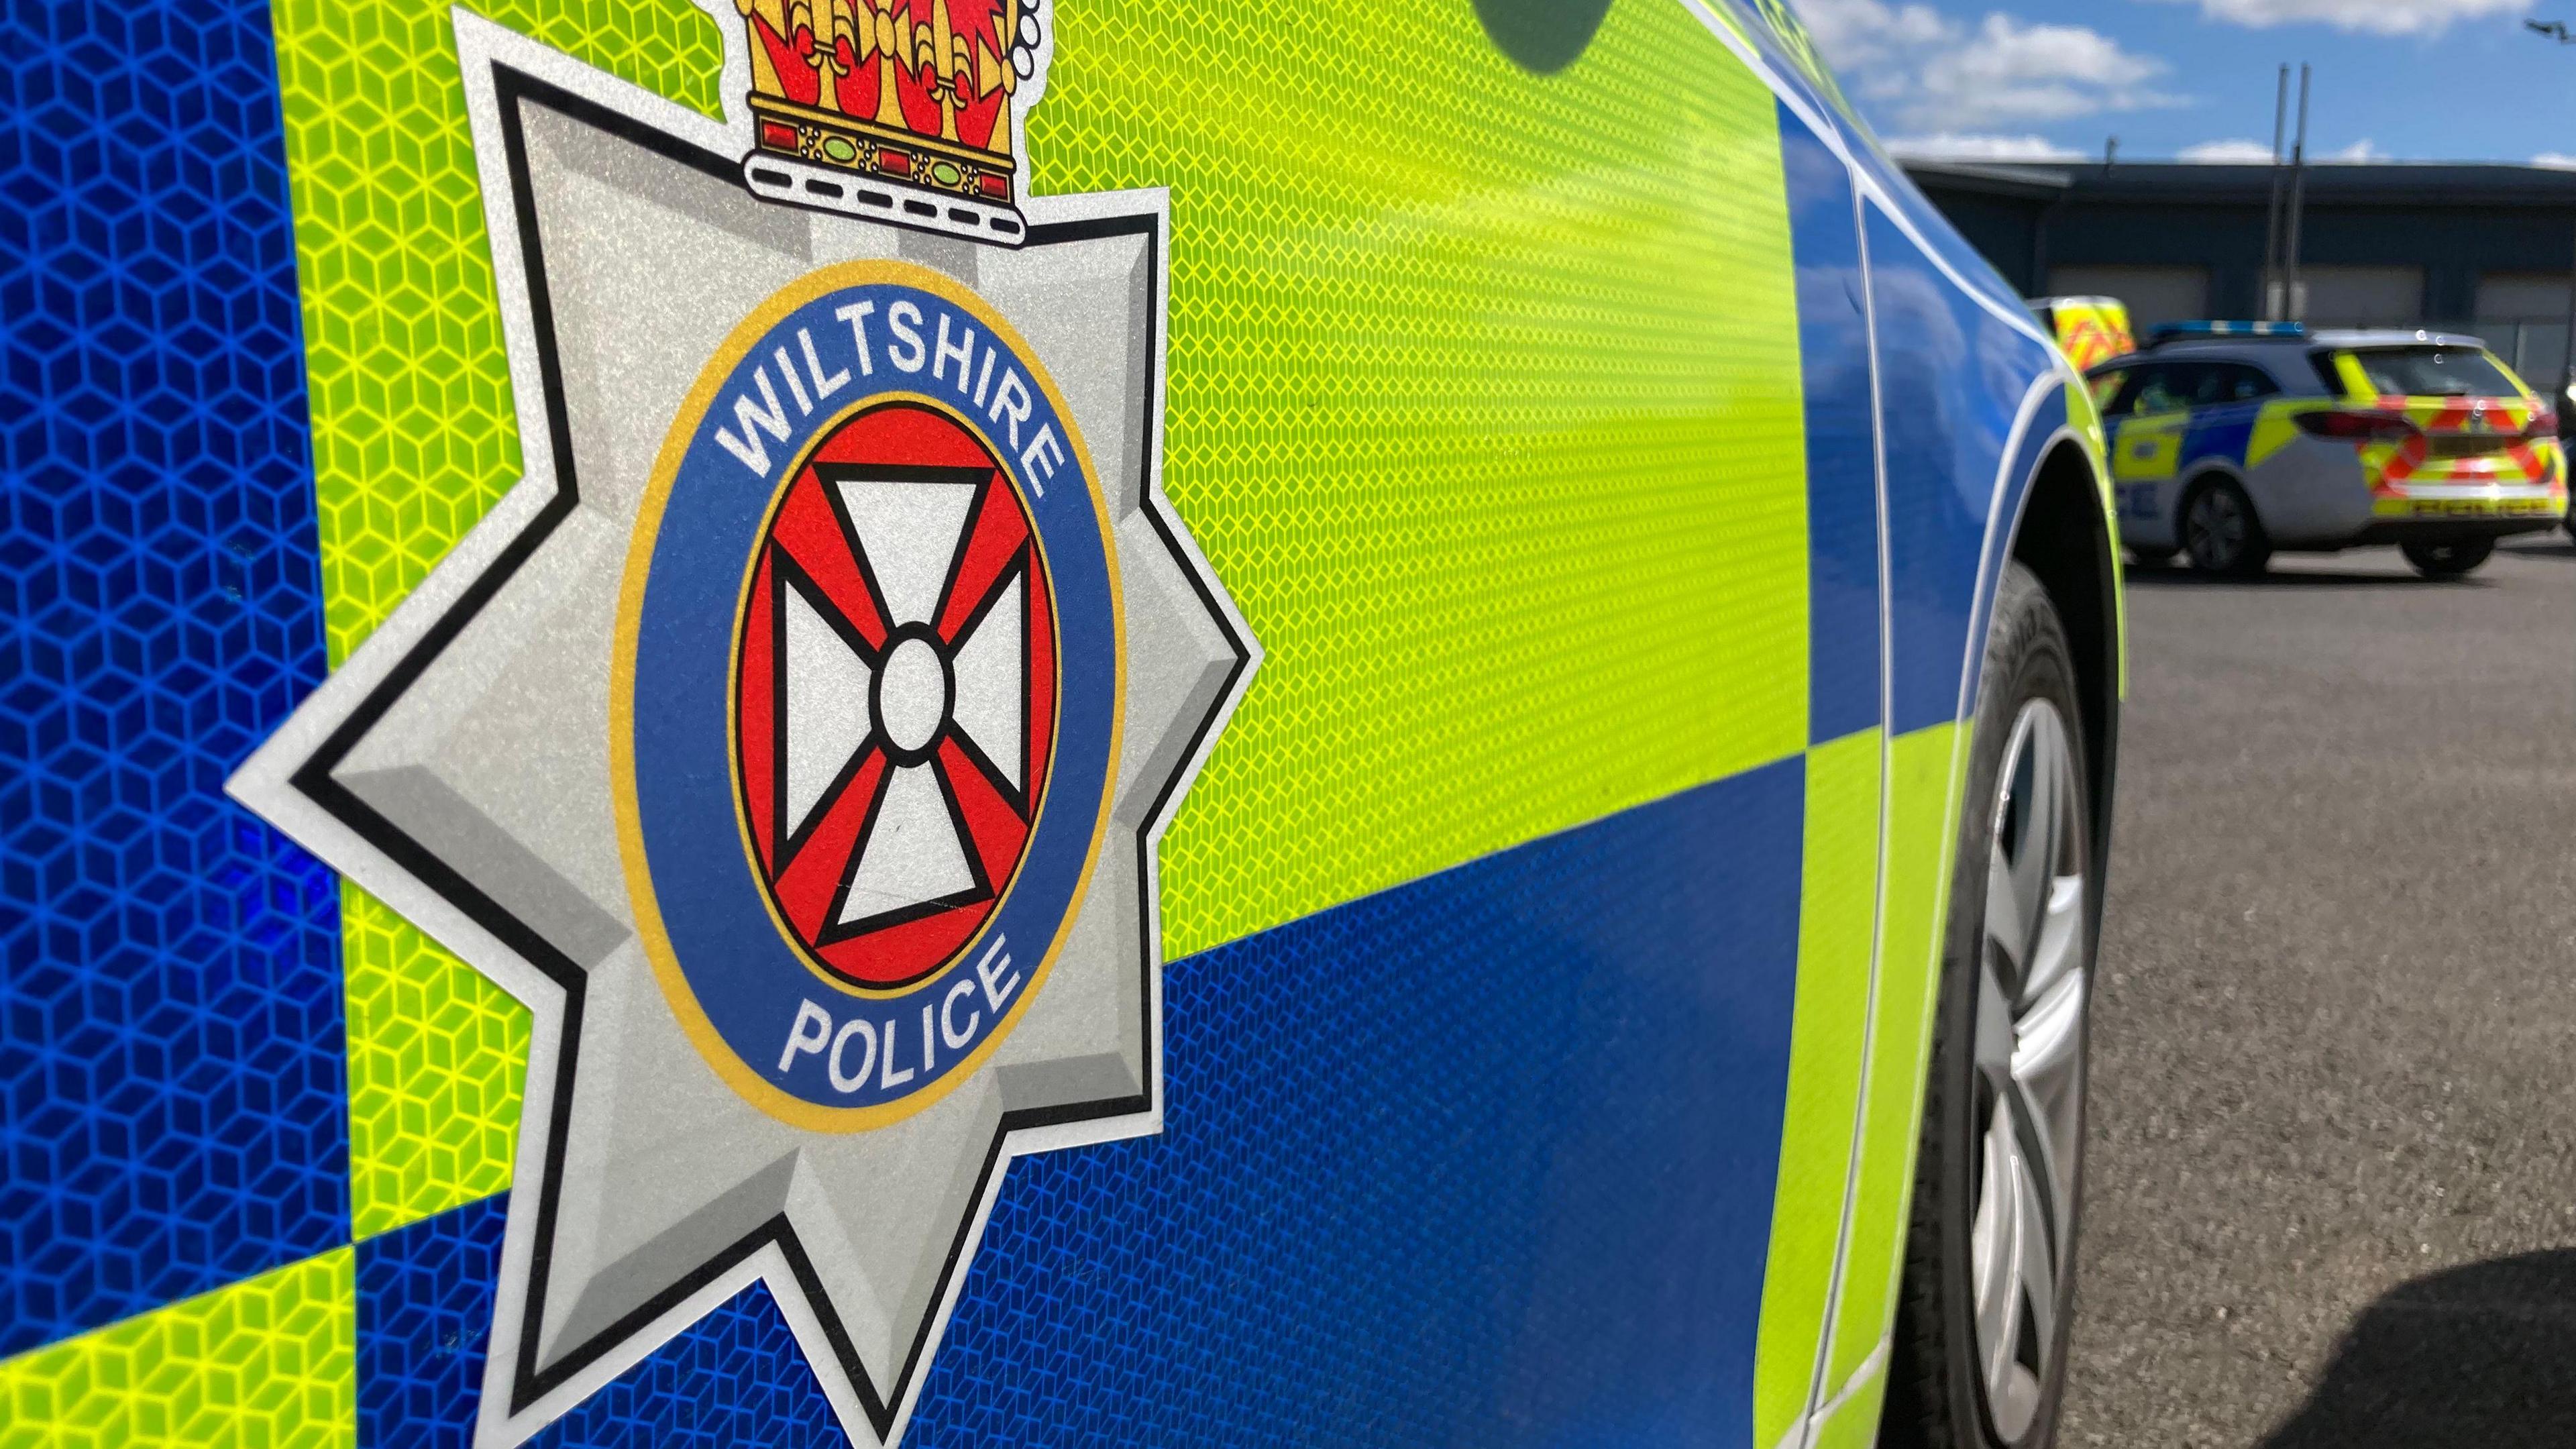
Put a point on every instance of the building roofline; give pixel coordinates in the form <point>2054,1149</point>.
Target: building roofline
<point>2330,184</point>
<point>1995,179</point>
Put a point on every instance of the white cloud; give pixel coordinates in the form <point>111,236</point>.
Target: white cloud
<point>2558,160</point>
<point>1954,146</point>
<point>2374,17</point>
<point>1857,33</point>
<point>2255,153</point>
<point>1934,74</point>
<point>2228,153</point>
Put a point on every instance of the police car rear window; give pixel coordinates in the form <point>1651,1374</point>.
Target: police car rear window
<point>2433,372</point>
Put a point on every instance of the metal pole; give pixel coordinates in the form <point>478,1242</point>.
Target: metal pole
<point>2272,302</point>
<point>2293,303</point>
<point>2567,371</point>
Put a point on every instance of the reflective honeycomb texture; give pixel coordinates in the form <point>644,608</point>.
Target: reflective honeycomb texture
<point>1469,374</point>
<point>425,1316</point>
<point>170,1022</point>
<point>1484,402</point>
<point>413,438</point>
<point>1509,1186</point>
<point>261,1364</point>
<point>1477,497</point>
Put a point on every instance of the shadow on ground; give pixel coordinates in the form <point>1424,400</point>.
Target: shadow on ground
<point>2184,578</point>
<point>2482,1355</point>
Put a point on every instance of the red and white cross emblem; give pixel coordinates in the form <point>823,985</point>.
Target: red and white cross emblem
<point>895,694</point>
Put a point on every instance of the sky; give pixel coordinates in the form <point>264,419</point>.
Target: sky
<point>2394,80</point>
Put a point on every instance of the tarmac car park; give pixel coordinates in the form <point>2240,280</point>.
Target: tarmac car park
<point>2230,441</point>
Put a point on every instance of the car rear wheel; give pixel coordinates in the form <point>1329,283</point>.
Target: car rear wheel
<point>1979,1350</point>
<point>2447,560</point>
<point>2221,533</point>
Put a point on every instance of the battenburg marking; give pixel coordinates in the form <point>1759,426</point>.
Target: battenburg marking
<point>794,738</point>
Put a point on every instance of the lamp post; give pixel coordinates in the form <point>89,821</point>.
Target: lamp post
<point>2557,30</point>
<point>2294,303</point>
<point>2272,299</point>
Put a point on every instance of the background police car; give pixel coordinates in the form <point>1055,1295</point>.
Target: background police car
<point>2227,446</point>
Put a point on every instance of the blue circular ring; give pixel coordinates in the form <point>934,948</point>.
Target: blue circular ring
<point>796,1029</point>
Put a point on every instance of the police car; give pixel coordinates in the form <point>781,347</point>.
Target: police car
<point>2230,441</point>
<point>992,722</point>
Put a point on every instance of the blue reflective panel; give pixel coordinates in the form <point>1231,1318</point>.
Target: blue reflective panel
<point>1951,377</point>
<point>1965,260</point>
<point>2223,433</point>
<point>1842,450</point>
<point>1486,1158</point>
<point>170,1040</point>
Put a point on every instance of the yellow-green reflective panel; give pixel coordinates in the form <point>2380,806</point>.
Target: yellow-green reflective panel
<point>1837,932</point>
<point>1853,1422</point>
<point>437,1055</point>
<point>413,438</point>
<point>1922,823</point>
<point>1484,401</point>
<point>266,1363</point>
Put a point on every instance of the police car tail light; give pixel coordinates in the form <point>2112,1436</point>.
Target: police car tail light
<point>2358,424</point>
<point>2543,424</point>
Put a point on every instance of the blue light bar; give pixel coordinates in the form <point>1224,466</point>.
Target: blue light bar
<point>2172,331</point>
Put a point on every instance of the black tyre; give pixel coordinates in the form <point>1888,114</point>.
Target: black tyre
<point>2221,532</point>
<point>1979,1355</point>
<point>2447,560</point>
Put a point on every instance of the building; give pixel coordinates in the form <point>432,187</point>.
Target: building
<point>2487,249</point>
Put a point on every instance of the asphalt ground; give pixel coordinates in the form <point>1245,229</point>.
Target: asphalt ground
<point>2331,1176</point>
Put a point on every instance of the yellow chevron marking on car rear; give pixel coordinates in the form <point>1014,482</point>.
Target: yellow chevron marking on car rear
<point>2277,427</point>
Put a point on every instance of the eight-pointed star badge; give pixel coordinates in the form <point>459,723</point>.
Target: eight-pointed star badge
<point>794,738</point>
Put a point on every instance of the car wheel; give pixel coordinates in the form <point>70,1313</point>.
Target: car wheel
<point>1978,1359</point>
<point>2447,560</point>
<point>2221,533</point>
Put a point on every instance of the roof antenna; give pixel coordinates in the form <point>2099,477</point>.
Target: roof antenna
<point>2110,153</point>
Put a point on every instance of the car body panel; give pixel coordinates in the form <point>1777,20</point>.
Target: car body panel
<point>1615,466</point>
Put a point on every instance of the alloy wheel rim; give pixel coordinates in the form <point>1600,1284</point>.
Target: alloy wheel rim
<point>2218,527</point>
<point>2031,998</point>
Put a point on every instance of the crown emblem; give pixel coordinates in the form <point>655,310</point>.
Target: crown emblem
<point>895,109</point>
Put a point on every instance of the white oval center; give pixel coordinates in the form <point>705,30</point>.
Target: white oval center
<point>912,695</point>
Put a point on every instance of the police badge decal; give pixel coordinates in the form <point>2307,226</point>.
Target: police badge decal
<point>794,738</point>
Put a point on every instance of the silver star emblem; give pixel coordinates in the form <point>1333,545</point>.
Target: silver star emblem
<point>465,764</point>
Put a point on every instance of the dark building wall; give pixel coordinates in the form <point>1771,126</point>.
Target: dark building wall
<point>2455,223</point>
<point>2001,229</point>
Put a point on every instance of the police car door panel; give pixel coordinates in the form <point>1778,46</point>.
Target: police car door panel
<point>1969,396</point>
<point>1845,757</point>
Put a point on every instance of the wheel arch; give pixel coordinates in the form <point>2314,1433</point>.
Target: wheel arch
<point>2065,535</point>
